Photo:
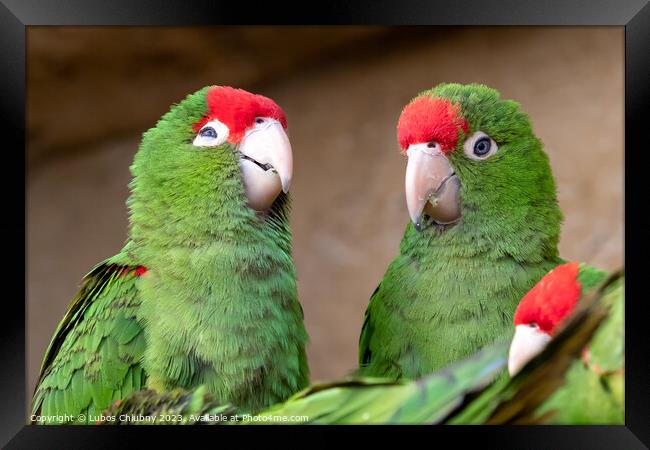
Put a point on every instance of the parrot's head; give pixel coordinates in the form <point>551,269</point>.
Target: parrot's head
<point>541,312</point>
<point>219,155</point>
<point>474,162</point>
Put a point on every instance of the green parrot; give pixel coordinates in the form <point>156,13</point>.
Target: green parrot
<point>204,290</point>
<point>485,228</point>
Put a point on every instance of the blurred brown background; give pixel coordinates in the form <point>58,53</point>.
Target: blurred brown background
<point>93,91</point>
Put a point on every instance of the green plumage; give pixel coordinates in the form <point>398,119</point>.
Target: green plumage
<point>428,400</point>
<point>217,305</point>
<point>453,290</point>
<point>353,400</point>
<point>555,387</point>
<point>96,352</point>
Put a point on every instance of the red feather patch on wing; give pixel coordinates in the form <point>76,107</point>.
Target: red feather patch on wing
<point>551,300</point>
<point>428,119</point>
<point>138,271</point>
<point>237,109</point>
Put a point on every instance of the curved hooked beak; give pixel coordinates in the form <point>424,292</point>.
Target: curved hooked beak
<point>527,343</point>
<point>266,163</point>
<point>431,186</point>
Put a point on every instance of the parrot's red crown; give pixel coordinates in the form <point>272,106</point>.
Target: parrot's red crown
<point>428,119</point>
<point>237,109</point>
<point>552,299</point>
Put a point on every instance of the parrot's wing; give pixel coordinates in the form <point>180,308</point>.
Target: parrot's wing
<point>95,354</point>
<point>365,355</point>
<point>362,400</point>
<point>522,399</point>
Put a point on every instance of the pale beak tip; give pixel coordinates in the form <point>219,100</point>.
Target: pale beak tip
<point>416,219</point>
<point>526,344</point>
<point>286,183</point>
<point>512,369</point>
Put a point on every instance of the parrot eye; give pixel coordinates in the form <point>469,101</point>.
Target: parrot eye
<point>211,134</point>
<point>208,132</point>
<point>480,146</point>
<point>533,325</point>
<point>259,120</point>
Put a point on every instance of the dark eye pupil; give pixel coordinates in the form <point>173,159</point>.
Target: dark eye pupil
<point>482,146</point>
<point>259,120</point>
<point>208,132</point>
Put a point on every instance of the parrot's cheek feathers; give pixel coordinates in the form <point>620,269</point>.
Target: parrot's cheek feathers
<point>262,184</point>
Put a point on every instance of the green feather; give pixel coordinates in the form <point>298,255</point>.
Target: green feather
<point>81,367</point>
<point>383,401</point>
<point>126,331</point>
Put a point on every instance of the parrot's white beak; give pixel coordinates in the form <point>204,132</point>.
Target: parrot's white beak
<point>266,162</point>
<point>528,342</point>
<point>431,186</point>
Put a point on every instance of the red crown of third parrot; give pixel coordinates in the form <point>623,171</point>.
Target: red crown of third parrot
<point>551,300</point>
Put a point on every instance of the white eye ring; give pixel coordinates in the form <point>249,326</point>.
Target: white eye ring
<point>475,145</point>
<point>211,134</point>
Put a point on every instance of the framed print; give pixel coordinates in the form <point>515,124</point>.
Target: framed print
<point>372,214</point>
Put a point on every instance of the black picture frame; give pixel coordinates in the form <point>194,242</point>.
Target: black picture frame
<point>634,15</point>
